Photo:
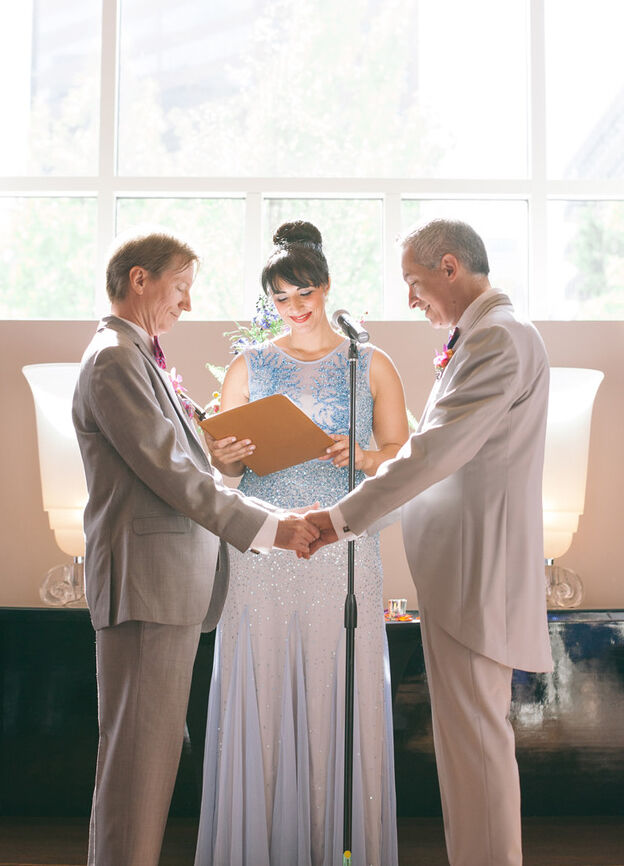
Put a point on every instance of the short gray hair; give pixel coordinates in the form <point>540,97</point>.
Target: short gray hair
<point>155,251</point>
<point>430,242</point>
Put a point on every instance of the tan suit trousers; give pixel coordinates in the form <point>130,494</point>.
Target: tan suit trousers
<point>144,675</point>
<point>475,751</point>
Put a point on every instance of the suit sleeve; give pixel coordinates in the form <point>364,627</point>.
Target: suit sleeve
<point>484,384</point>
<point>127,413</point>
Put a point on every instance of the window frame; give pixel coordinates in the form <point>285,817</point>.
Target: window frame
<point>108,186</point>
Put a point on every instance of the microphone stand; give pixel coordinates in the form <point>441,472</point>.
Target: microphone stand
<point>350,623</point>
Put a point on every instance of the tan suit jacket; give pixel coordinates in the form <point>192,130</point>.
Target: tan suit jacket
<point>470,483</point>
<point>156,508</point>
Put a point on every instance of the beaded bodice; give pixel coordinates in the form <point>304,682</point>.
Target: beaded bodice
<point>321,389</point>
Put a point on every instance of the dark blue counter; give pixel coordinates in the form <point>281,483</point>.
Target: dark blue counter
<point>569,724</point>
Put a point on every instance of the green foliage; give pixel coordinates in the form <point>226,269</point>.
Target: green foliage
<point>265,325</point>
<point>217,371</point>
<point>214,227</point>
<point>64,135</point>
<point>48,258</point>
<point>321,90</point>
<point>351,231</point>
<point>412,421</point>
<point>596,250</point>
<point>48,245</point>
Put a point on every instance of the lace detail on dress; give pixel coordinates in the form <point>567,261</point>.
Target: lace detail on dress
<point>321,390</point>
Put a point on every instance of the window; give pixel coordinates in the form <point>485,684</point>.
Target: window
<point>223,119</point>
<point>212,225</point>
<point>48,246</point>
<point>352,230</point>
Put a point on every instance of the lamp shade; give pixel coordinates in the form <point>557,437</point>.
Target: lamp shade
<point>572,393</point>
<point>62,477</point>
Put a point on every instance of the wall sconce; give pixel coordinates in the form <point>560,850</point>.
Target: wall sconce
<point>62,477</point>
<point>572,393</point>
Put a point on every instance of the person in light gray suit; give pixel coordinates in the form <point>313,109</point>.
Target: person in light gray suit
<point>155,514</point>
<point>469,482</point>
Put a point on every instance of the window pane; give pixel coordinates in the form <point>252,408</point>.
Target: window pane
<point>351,230</point>
<point>48,258</point>
<point>214,228</point>
<point>367,88</point>
<point>503,227</point>
<point>585,89</point>
<point>586,260</point>
<point>472,85</point>
<point>50,66</point>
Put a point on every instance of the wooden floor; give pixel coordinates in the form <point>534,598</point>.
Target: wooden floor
<point>547,842</point>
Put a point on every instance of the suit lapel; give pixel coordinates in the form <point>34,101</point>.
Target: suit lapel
<point>119,325</point>
<point>471,317</point>
<point>175,400</point>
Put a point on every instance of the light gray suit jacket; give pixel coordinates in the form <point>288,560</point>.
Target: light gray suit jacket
<point>470,483</point>
<point>156,507</point>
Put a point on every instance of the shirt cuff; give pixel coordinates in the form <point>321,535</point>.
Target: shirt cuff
<point>340,527</point>
<point>265,537</point>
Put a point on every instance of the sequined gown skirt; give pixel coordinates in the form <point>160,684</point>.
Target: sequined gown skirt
<point>274,744</point>
<point>274,759</point>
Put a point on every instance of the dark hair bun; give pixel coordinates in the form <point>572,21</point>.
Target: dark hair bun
<point>297,232</point>
<point>296,259</point>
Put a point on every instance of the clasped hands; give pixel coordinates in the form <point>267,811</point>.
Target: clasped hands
<point>305,532</point>
<point>313,525</point>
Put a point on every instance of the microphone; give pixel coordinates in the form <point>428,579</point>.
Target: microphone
<point>345,323</point>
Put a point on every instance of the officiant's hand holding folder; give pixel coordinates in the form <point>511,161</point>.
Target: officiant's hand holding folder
<point>282,433</point>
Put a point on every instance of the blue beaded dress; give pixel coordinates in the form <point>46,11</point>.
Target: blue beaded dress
<point>273,770</point>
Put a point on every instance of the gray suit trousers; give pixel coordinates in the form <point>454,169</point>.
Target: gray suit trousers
<point>475,751</point>
<point>144,675</point>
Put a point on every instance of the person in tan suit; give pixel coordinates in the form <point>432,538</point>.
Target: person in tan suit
<point>469,485</point>
<point>155,514</point>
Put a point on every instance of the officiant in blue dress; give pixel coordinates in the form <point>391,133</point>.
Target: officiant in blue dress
<point>273,775</point>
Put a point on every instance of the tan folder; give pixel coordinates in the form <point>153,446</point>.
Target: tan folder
<point>282,433</point>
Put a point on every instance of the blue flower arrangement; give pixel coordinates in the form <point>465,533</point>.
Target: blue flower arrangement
<point>265,325</point>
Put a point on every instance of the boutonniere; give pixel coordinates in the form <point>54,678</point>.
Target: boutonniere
<point>189,406</point>
<point>441,359</point>
<point>178,387</point>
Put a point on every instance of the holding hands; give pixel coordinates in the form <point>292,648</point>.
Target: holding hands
<point>296,533</point>
<point>303,530</point>
<point>320,521</point>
